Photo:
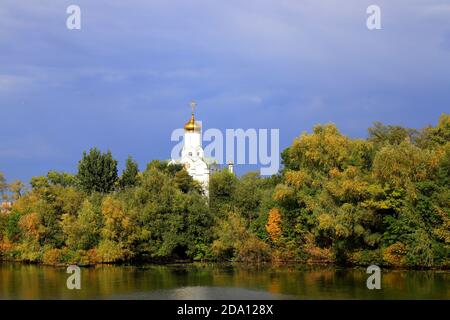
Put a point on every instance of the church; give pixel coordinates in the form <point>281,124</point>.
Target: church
<point>192,158</point>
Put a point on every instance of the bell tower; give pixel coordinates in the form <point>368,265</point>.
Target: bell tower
<point>192,137</point>
<point>192,154</point>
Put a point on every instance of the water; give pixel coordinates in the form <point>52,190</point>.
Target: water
<point>216,281</point>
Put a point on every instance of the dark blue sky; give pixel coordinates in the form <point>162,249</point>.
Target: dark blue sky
<point>123,82</point>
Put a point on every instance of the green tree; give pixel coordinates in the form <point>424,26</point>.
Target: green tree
<point>401,164</point>
<point>164,166</point>
<point>129,176</point>
<point>61,178</point>
<point>234,242</point>
<point>247,196</point>
<point>326,148</point>
<point>441,133</point>
<point>83,230</point>
<point>443,171</point>
<point>222,187</point>
<point>231,233</point>
<point>387,134</point>
<point>186,183</point>
<point>97,171</point>
<point>12,228</point>
<point>39,183</point>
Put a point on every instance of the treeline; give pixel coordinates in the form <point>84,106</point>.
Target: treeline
<point>383,200</point>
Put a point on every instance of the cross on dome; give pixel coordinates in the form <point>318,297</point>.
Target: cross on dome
<point>193,104</point>
<point>191,126</point>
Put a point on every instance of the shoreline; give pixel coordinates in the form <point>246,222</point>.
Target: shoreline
<point>224,263</point>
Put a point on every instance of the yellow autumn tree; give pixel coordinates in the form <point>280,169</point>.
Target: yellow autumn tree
<point>29,225</point>
<point>273,225</point>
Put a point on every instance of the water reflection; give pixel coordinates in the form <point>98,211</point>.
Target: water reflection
<point>218,281</point>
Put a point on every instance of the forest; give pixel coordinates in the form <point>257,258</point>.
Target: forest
<point>383,200</point>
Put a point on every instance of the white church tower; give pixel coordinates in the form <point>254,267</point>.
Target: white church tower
<point>192,154</point>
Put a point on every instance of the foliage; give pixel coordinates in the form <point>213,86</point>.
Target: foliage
<point>82,230</point>
<point>3,186</point>
<point>230,233</point>
<point>129,176</point>
<point>356,197</point>
<point>384,134</point>
<point>16,187</point>
<point>222,187</point>
<point>97,171</point>
<point>384,200</point>
<point>273,226</point>
<point>61,178</point>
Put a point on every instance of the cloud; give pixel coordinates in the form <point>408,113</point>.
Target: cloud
<point>124,80</point>
<point>27,148</point>
<point>438,9</point>
<point>9,83</point>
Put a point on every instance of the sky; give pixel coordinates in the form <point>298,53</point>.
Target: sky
<point>124,81</point>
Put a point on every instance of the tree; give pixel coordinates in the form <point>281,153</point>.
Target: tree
<point>164,166</point>
<point>16,188</point>
<point>97,171</point>
<point>273,226</point>
<point>3,186</point>
<point>222,187</point>
<point>61,178</point>
<point>443,173</point>
<point>441,133</point>
<point>83,231</point>
<point>231,233</point>
<point>235,242</point>
<point>386,134</point>
<point>129,176</point>
<point>186,183</point>
<point>39,182</point>
<point>247,195</point>
<point>326,148</point>
<point>402,163</point>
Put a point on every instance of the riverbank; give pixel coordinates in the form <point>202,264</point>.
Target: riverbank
<point>170,262</point>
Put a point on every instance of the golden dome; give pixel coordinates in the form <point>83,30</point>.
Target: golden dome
<point>191,125</point>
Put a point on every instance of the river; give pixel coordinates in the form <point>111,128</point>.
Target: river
<point>219,281</point>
